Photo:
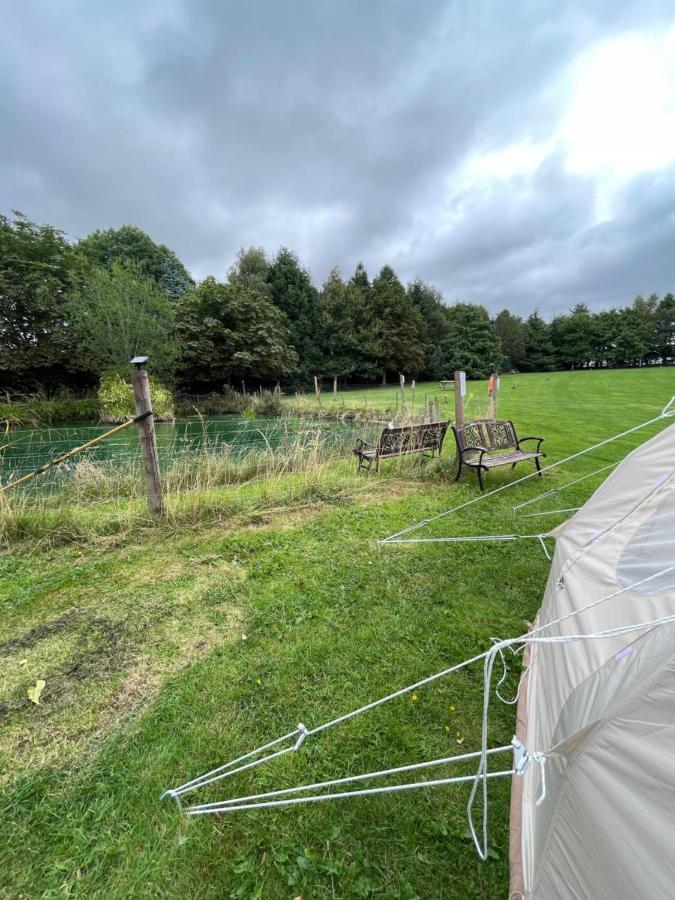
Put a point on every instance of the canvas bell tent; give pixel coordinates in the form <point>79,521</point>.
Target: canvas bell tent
<point>596,819</point>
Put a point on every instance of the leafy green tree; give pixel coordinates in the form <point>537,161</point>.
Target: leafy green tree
<point>118,313</point>
<point>294,294</point>
<point>37,267</point>
<point>471,344</point>
<point>252,271</point>
<point>429,303</point>
<point>396,328</point>
<point>231,331</point>
<point>131,244</point>
<point>511,332</point>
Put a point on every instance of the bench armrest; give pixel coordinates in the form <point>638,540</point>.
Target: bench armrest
<point>475,449</point>
<point>361,443</point>
<point>540,441</point>
<point>481,450</point>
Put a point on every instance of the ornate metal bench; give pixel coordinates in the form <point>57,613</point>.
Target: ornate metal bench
<point>488,443</point>
<point>425,439</point>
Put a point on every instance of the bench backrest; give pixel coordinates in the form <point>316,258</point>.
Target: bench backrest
<point>494,434</point>
<point>411,438</point>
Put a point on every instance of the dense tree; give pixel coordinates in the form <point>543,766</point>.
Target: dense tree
<point>511,333</point>
<point>231,331</point>
<point>118,313</point>
<point>294,294</point>
<point>471,344</point>
<point>344,346</point>
<point>664,328</point>
<point>395,328</point>
<point>538,348</point>
<point>67,313</point>
<point>429,303</point>
<point>130,244</point>
<point>572,337</point>
<point>37,267</point>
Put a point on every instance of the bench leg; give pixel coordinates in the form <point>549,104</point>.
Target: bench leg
<point>536,462</point>
<point>480,478</point>
<point>459,469</point>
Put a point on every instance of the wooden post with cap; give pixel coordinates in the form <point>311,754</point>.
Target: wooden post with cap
<point>146,433</point>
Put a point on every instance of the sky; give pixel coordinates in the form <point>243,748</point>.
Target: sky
<point>516,154</point>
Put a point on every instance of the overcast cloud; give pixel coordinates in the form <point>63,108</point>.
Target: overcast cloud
<point>515,154</point>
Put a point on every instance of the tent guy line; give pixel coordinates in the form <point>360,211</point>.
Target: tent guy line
<point>488,656</point>
<point>395,538</point>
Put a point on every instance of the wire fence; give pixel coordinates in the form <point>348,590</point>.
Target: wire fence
<point>236,449</point>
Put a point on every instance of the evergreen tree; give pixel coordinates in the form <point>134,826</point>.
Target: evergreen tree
<point>429,303</point>
<point>511,333</point>
<point>665,328</point>
<point>292,292</point>
<point>572,337</point>
<point>472,344</point>
<point>395,327</point>
<point>344,342</point>
<point>538,348</point>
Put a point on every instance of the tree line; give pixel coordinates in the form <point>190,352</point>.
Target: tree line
<point>71,311</point>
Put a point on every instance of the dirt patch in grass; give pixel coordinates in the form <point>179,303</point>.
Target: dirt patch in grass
<point>39,633</point>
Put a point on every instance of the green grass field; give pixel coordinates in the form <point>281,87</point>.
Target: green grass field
<point>167,650</point>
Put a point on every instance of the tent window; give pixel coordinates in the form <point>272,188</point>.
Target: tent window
<point>651,549</point>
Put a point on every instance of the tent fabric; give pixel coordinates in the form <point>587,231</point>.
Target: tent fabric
<point>603,710</point>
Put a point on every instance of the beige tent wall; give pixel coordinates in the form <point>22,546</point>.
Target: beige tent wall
<point>564,683</point>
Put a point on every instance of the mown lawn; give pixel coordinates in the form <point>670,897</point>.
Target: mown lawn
<point>166,651</point>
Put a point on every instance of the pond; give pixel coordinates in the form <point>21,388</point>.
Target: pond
<point>24,449</point>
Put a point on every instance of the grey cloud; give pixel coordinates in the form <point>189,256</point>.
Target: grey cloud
<point>336,128</point>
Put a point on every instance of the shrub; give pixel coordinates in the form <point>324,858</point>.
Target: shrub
<point>267,403</point>
<point>116,397</point>
<point>39,409</point>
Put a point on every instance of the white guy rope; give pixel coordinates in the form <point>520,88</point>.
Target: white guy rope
<point>301,732</point>
<point>551,512</point>
<point>316,798</point>
<point>563,486</point>
<point>391,539</point>
<point>220,805</point>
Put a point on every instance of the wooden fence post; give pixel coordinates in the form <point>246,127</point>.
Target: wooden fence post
<point>146,433</point>
<point>243,387</point>
<point>317,388</point>
<point>334,387</point>
<point>460,391</point>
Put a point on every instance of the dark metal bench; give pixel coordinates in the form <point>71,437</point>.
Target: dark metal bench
<point>399,441</point>
<point>488,443</point>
